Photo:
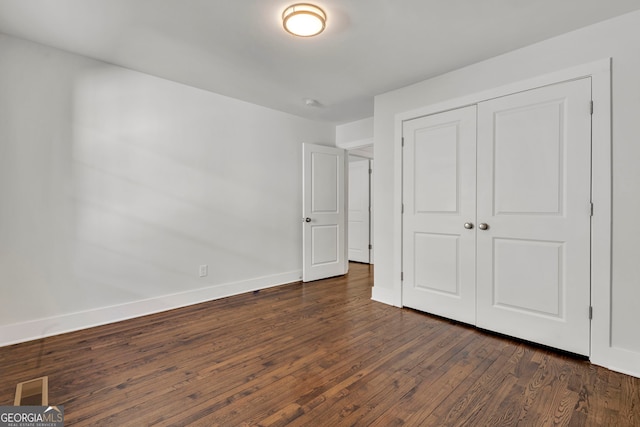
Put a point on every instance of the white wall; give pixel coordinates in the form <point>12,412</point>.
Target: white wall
<point>617,38</point>
<point>355,134</point>
<point>357,137</point>
<point>115,186</point>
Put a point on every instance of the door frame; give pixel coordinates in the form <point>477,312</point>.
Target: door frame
<point>602,351</point>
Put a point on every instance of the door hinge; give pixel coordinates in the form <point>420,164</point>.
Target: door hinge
<point>402,208</point>
<point>590,312</point>
<point>370,171</point>
<point>401,276</point>
<point>402,141</point>
<point>591,209</point>
<point>370,247</point>
<point>591,108</point>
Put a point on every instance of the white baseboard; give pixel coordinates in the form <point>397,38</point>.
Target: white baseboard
<point>385,296</point>
<point>618,359</point>
<point>40,328</point>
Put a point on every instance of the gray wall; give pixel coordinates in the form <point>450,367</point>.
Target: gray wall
<point>116,185</point>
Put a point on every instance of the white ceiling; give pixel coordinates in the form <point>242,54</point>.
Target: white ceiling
<point>238,47</point>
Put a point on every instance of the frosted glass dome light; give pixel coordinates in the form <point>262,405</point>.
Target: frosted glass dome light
<point>304,20</point>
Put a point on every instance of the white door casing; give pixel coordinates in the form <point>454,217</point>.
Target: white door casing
<point>324,251</point>
<point>359,211</point>
<point>439,191</point>
<point>372,259</point>
<point>534,192</point>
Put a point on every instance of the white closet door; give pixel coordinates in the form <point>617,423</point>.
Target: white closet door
<point>439,191</point>
<point>359,229</point>
<point>534,172</point>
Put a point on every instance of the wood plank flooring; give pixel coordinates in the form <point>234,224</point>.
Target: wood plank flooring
<point>317,354</point>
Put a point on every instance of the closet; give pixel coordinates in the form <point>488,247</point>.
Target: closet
<point>497,214</point>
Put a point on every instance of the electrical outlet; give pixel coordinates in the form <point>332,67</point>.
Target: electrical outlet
<point>204,270</point>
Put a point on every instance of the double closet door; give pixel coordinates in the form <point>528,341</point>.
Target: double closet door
<point>497,215</point>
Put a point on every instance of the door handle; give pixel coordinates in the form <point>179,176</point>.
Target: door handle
<point>468,225</point>
<point>483,226</point>
<point>307,219</point>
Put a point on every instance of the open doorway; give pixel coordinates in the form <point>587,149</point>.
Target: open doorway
<point>360,236</point>
<point>357,138</point>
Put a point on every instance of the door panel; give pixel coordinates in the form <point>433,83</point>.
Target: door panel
<point>529,156</point>
<point>359,202</point>
<point>324,219</point>
<point>529,288</point>
<point>437,269</point>
<point>436,169</point>
<point>326,244</point>
<point>324,181</point>
<point>439,187</point>
<point>534,171</point>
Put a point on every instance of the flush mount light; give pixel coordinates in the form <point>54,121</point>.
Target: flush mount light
<point>304,20</point>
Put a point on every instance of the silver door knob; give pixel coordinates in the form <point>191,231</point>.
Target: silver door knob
<point>468,225</point>
<point>483,226</point>
<point>307,219</point>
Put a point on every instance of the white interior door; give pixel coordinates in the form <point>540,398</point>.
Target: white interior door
<point>359,204</point>
<point>534,172</point>
<point>439,193</point>
<point>324,220</point>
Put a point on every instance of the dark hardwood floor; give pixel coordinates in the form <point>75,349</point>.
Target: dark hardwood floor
<point>317,354</point>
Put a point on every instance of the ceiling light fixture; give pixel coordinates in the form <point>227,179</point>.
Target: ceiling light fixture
<point>304,20</point>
